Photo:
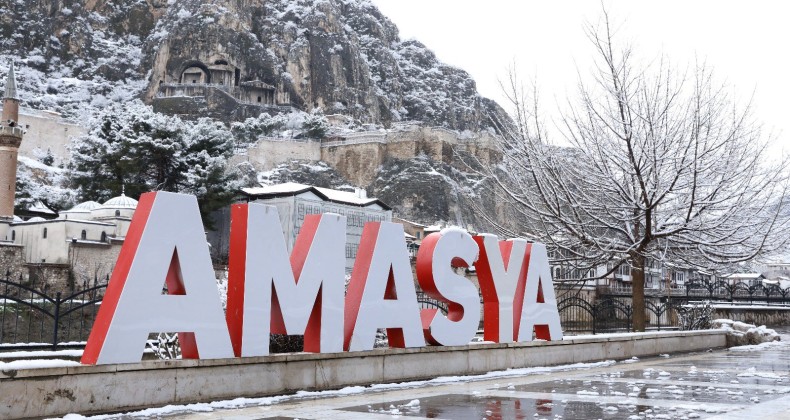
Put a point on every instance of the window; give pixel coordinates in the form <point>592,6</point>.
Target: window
<point>418,235</point>
<point>13,235</point>
<point>84,235</point>
<point>678,277</point>
<point>351,251</point>
<point>104,236</point>
<point>117,213</point>
<point>45,233</point>
<point>259,99</point>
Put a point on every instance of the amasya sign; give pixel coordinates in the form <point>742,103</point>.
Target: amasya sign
<point>305,293</point>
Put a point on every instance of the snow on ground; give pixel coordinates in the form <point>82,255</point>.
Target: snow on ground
<point>37,364</point>
<point>759,347</point>
<point>41,353</point>
<point>616,335</point>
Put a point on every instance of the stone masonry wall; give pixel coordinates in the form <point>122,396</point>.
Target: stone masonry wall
<point>768,317</point>
<point>11,260</point>
<point>358,163</point>
<point>267,154</point>
<point>92,263</point>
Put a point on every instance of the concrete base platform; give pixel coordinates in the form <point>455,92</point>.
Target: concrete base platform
<point>113,388</point>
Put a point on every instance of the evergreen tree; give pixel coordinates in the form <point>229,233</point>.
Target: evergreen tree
<point>130,146</point>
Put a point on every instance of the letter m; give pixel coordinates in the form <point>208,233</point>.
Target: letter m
<point>268,292</point>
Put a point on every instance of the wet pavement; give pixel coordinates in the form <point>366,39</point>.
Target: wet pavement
<point>721,384</point>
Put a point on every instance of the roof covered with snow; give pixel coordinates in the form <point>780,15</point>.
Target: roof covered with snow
<point>39,207</point>
<point>85,207</point>
<point>745,276</point>
<point>289,189</point>
<point>120,202</point>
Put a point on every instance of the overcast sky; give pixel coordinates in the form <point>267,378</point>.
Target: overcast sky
<point>746,42</point>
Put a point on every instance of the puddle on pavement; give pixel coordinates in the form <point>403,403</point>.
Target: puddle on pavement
<point>462,407</point>
<point>591,389</point>
<point>684,373</point>
<point>778,366</point>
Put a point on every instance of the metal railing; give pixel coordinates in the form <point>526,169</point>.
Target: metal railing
<point>31,319</point>
<point>734,292</point>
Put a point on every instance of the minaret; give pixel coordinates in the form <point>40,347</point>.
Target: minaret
<point>10,139</point>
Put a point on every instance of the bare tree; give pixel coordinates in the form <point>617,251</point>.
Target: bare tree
<point>661,164</point>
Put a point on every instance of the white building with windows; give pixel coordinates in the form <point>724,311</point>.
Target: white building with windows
<point>90,231</point>
<point>295,201</point>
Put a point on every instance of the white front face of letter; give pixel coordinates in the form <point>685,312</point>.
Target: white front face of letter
<point>299,295</point>
<point>438,279</point>
<point>542,317</point>
<point>381,293</point>
<point>166,239</point>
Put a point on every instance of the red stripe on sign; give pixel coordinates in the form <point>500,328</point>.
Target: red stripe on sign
<point>304,242</point>
<point>359,277</point>
<point>237,265</point>
<point>118,280</point>
<point>521,289</point>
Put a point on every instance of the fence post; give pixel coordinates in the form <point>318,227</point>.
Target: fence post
<point>56,322</point>
<point>594,315</point>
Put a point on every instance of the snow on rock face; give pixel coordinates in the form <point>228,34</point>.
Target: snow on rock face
<point>742,334</point>
<point>341,55</point>
<point>72,56</point>
<point>425,190</point>
<point>317,174</point>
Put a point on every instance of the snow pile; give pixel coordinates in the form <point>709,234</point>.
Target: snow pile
<point>741,333</point>
<point>36,364</point>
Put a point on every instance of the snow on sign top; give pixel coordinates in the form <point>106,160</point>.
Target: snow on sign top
<point>293,188</point>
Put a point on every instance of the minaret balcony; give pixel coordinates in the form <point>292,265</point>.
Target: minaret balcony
<point>11,136</point>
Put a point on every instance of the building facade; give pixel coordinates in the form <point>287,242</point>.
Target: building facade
<point>295,201</point>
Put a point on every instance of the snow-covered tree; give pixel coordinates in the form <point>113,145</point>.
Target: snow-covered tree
<point>661,165</point>
<point>249,131</point>
<point>39,182</point>
<point>133,148</point>
<point>315,125</point>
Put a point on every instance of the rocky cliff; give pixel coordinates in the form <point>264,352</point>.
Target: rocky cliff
<point>341,55</point>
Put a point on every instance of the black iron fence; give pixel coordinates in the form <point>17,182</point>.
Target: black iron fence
<point>741,292</point>
<point>31,319</point>
<point>607,314</point>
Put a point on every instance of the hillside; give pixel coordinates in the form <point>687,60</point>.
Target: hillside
<point>341,55</point>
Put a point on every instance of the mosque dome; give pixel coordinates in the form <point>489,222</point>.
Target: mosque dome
<point>120,202</point>
<point>85,207</point>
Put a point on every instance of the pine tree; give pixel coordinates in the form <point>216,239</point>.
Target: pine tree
<point>133,148</point>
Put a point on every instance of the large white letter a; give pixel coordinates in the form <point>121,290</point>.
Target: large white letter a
<point>165,243</point>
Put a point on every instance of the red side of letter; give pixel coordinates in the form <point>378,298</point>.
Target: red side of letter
<point>237,261</point>
<point>356,287</point>
<point>118,280</point>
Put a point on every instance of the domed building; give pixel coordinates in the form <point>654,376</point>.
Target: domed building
<point>81,243</point>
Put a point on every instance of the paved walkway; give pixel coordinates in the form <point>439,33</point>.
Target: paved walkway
<point>722,384</point>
